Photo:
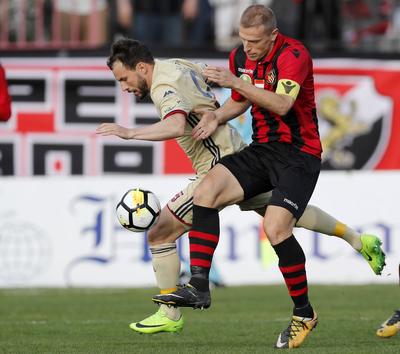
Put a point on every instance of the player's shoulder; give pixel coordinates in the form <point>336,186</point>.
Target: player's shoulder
<point>167,79</point>
<point>163,67</point>
<point>294,47</point>
<point>293,53</point>
<point>180,65</point>
<point>165,73</point>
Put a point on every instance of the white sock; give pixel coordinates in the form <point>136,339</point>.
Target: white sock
<point>315,219</point>
<point>166,266</point>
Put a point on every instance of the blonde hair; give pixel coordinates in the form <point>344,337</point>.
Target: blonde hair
<point>258,15</point>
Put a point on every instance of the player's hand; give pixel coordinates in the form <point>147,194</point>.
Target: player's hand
<point>106,129</point>
<point>207,126</point>
<point>220,76</point>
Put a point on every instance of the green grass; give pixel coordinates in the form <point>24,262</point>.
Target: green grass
<point>241,320</point>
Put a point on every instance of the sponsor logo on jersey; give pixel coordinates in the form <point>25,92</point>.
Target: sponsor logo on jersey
<point>246,78</point>
<point>288,86</point>
<point>293,204</point>
<point>167,93</point>
<point>295,52</point>
<point>246,71</point>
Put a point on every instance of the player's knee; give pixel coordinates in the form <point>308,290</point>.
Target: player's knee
<point>159,234</point>
<point>205,194</point>
<point>154,236</point>
<point>277,232</point>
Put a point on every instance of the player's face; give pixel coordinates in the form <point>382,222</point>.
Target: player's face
<point>257,41</point>
<point>130,80</point>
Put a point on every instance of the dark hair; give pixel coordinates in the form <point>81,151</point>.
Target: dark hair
<point>258,15</point>
<point>129,52</point>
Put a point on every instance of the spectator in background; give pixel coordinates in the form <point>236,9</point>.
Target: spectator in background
<point>366,22</point>
<point>5,100</point>
<point>198,23</point>
<point>157,21</point>
<point>120,19</point>
<point>226,18</point>
<point>82,21</point>
<point>160,22</point>
<point>393,33</point>
<point>320,23</point>
<point>317,22</point>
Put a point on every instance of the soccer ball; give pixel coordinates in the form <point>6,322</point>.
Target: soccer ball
<point>138,210</point>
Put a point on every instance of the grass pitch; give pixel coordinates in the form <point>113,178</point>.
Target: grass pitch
<point>240,320</point>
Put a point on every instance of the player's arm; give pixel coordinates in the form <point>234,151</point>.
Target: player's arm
<point>211,119</point>
<point>171,127</point>
<point>230,110</point>
<point>279,102</point>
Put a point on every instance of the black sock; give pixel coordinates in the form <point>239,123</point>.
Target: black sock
<point>203,240</point>
<point>292,265</point>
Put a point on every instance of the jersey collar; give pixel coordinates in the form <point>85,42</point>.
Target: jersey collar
<point>278,43</point>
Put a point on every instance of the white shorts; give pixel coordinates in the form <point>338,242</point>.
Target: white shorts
<point>181,205</point>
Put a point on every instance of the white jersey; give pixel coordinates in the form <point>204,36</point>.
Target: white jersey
<point>179,87</point>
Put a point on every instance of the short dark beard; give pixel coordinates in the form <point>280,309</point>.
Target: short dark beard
<point>144,89</point>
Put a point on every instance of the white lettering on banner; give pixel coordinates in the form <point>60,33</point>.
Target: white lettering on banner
<point>61,97</point>
<point>78,241</point>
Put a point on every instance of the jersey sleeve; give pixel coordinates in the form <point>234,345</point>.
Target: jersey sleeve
<point>5,100</point>
<point>293,68</point>
<point>234,95</point>
<point>168,102</point>
<point>293,64</point>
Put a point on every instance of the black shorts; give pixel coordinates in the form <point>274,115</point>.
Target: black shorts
<point>287,171</point>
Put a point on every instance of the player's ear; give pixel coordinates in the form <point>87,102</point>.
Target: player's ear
<point>141,67</point>
<point>274,33</point>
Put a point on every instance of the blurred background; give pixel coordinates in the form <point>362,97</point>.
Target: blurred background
<point>59,182</point>
<point>326,26</point>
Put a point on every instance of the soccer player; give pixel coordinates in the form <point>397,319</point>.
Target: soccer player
<point>272,74</point>
<point>177,87</point>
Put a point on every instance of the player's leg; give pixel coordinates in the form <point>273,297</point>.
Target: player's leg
<point>278,225</point>
<point>294,186</point>
<point>369,246</point>
<point>316,219</point>
<point>217,189</point>
<point>313,218</point>
<point>166,267</point>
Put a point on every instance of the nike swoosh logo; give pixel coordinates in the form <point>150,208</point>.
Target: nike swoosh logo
<point>175,296</point>
<point>139,325</point>
<point>369,257</point>
<point>279,343</point>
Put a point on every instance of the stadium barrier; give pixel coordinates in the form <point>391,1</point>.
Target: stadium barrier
<point>58,103</point>
<point>64,232</point>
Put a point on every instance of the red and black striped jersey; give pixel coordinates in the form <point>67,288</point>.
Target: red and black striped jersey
<point>288,60</point>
